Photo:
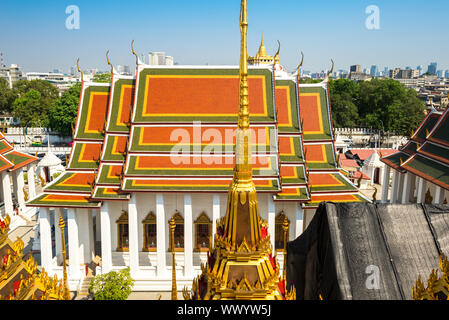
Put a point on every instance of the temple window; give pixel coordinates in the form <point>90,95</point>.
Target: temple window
<point>179,233</point>
<point>149,233</point>
<point>279,232</point>
<point>203,234</point>
<point>123,232</point>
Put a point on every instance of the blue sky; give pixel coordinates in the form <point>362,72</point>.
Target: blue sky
<point>33,34</point>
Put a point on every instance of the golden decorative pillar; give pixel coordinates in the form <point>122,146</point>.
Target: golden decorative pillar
<point>285,226</point>
<point>64,261</point>
<point>174,290</point>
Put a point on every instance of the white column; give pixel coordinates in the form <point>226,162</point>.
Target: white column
<point>74,252</point>
<point>385,184</point>
<point>299,220</point>
<point>106,250</point>
<point>58,242</point>
<point>7,195</point>
<point>188,236</point>
<point>97,225</point>
<point>215,215</point>
<point>406,190</point>
<point>394,187</point>
<point>271,219</point>
<point>160,230</point>
<point>400,187</point>
<point>84,236</point>
<point>422,190</point>
<point>439,195</point>
<point>133,236</point>
<point>45,239</point>
<point>19,184</point>
<point>31,182</point>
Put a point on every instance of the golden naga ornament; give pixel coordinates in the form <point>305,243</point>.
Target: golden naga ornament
<point>437,287</point>
<point>241,265</point>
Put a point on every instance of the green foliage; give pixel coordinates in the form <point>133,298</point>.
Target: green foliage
<point>344,95</point>
<point>28,109</point>
<point>102,77</point>
<point>31,109</point>
<point>381,104</point>
<point>7,97</point>
<point>112,286</point>
<point>64,110</point>
<point>309,80</point>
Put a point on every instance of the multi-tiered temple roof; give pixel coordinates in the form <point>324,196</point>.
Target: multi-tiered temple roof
<point>172,129</point>
<point>426,154</point>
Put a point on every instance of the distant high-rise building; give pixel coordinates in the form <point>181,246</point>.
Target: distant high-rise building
<point>123,70</point>
<point>432,69</point>
<point>440,73</point>
<point>160,59</point>
<point>420,68</point>
<point>356,68</point>
<point>446,74</point>
<point>374,71</point>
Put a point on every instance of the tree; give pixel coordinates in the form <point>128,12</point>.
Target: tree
<point>7,97</point>
<point>344,95</point>
<point>387,104</point>
<point>102,77</point>
<point>28,109</point>
<point>48,93</point>
<point>64,110</point>
<point>112,286</point>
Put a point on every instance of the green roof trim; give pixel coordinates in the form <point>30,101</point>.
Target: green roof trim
<point>296,126</point>
<point>325,112</point>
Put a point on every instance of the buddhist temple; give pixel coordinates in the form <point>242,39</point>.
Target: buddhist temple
<point>421,167</point>
<point>162,145</point>
<point>19,278</point>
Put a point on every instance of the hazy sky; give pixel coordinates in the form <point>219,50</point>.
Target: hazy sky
<point>33,34</point>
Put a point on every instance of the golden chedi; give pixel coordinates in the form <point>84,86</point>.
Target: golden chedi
<point>241,265</point>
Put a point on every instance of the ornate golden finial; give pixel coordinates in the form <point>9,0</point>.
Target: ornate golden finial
<point>276,56</point>
<point>25,194</point>
<point>332,69</point>
<point>300,65</point>
<point>79,69</point>
<point>64,261</point>
<point>359,181</point>
<point>428,198</point>
<point>174,290</point>
<point>134,52</point>
<point>109,62</point>
<point>375,195</point>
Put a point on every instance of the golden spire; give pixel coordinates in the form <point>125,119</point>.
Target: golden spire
<point>240,266</point>
<point>64,262</point>
<point>242,208</point>
<point>262,51</point>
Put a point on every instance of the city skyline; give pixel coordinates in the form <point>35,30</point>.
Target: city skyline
<point>38,39</point>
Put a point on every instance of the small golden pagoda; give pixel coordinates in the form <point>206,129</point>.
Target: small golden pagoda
<point>19,279</point>
<point>241,265</point>
<point>262,57</point>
